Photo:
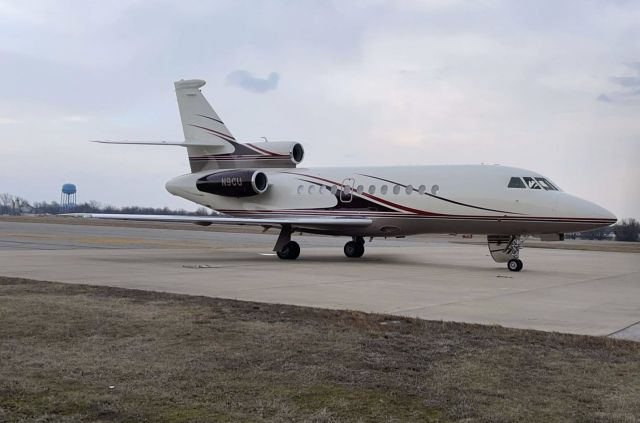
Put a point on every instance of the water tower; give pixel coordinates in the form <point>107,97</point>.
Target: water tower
<point>68,198</point>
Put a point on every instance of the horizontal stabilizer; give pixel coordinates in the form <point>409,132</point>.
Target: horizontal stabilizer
<point>178,143</point>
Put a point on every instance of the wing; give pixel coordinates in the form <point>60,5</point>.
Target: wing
<point>296,222</point>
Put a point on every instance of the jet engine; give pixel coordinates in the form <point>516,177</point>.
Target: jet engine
<point>281,148</point>
<point>234,183</point>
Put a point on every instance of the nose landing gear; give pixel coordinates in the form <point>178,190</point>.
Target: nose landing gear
<point>506,248</point>
<point>515,265</point>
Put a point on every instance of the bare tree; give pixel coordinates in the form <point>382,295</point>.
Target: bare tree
<point>627,230</point>
<point>598,234</point>
<point>6,202</point>
<point>21,206</point>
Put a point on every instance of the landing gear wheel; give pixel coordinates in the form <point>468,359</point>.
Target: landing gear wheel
<point>353,249</point>
<point>290,251</point>
<point>515,265</point>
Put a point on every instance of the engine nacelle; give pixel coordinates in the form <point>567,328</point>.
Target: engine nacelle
<point>234,183</point>
<point>293,150</point>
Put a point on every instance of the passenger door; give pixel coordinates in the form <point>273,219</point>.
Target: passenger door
<point>346,193</point>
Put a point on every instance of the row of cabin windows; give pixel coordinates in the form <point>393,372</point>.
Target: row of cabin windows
<point>531,183</point>
<point>384,189</point>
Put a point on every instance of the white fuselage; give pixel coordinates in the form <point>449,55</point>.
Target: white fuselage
<point>410,200</point>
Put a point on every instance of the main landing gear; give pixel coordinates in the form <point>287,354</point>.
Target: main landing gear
<point>355,248</point>
<point>290,251</point>
<point>506,248</point>
<point>286,249</point>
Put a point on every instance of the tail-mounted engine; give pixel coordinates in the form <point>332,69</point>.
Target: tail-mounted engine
<point>234,183</point>
<point>291,152</point>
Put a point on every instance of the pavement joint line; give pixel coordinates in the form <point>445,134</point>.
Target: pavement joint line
<point>507,294</point>
<point>624,328</point>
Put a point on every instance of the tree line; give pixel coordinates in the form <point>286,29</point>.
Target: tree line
<point>624,230</point>
<point>14,205</point>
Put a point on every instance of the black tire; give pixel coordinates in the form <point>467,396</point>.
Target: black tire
<point>515,265</point>
<point>353,249</point>
<point>290,251</point>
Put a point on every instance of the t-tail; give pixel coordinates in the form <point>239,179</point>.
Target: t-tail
<point>214,147</point>
<point>211,146</point>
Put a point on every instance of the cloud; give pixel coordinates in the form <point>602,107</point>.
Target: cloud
<point>245,80</point>
<point>626,81</point>
<point>629,86</point>
<point>634,65</point>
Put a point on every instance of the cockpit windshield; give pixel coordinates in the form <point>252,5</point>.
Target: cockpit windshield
<point>531,182</point>
<point>516,182</point>
<point>544,183</point>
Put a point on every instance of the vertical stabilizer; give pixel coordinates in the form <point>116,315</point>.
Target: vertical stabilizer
<point>201,124</point>
<point>212,145</point>
<point>199,121</point>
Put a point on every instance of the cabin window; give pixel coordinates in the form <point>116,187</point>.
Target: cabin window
<point>360,189</point>
<point>321,190</point>
<point>435,189</point>
<point>516,182</point>
<point>409,189</point>
<point>300,189</point>
<point>546,184</point>
<point>372,189</point>
<point>383,190</point>
<point>396,189</point>
<point>531,183</point>
<point>422,189</point>
<point>312,189</point>
<point>346,189</point>
<point>334,189</point>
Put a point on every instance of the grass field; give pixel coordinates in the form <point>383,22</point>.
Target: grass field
<point>81,353</point>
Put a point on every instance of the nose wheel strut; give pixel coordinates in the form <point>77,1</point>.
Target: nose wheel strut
<point>506,248</point>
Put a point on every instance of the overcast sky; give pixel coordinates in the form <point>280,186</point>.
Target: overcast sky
<point>549,86</point>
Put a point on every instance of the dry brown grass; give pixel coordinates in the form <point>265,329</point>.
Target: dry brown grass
<point>174,358</point>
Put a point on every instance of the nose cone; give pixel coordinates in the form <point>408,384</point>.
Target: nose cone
<point>590,210</point>
<point>603,213</point>
<point>594,216</point>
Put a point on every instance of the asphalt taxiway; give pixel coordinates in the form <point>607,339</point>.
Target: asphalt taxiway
<point>582,292</point>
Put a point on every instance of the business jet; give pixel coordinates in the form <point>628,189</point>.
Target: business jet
<point>261,184</point>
